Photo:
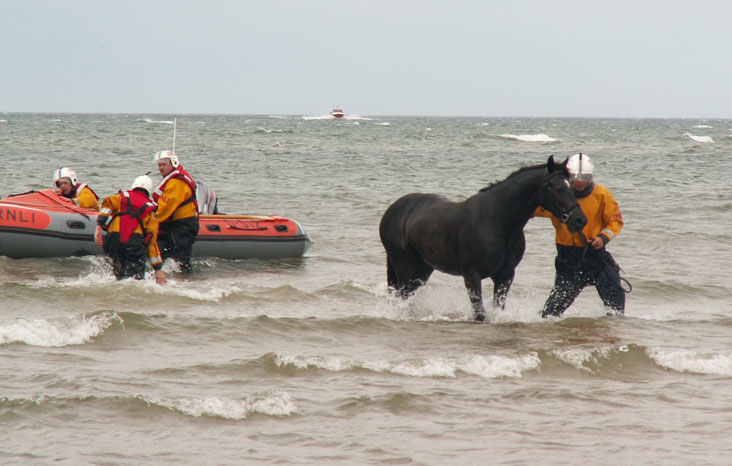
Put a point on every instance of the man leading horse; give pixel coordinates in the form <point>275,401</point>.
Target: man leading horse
<point>582,258</point>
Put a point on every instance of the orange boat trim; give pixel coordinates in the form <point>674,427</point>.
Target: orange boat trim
<point>13,215</point>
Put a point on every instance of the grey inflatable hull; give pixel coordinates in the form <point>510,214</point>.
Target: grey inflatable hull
<point>30,227</point>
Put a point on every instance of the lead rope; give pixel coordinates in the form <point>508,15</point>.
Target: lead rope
<point>607,261</point>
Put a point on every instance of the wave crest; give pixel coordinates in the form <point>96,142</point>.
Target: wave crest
<point>702,139</point>
<point>275,403</point>
<point>489,367</point>
<point>75,330</point>
<point>693,361</point>
<point>529,137</point>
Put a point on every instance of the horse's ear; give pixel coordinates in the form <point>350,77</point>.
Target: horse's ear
<point>550,164</point>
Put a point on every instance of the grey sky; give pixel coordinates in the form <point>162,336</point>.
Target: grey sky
<point>621,58</point>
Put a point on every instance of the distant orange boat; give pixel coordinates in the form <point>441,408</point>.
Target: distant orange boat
<point>337,113</point>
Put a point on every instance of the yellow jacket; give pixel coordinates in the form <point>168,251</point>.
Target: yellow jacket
<point>603,216</point>
<point>112,206</point>
<point>176,191</point>
<point>86,199</point>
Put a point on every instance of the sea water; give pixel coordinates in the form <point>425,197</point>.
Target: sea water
<point>311,361</point>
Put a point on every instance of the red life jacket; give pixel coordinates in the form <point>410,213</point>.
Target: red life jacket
<point>182,174</point>
<point>134,207</point>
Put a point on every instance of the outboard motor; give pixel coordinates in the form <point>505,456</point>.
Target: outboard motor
<point>207,200</point>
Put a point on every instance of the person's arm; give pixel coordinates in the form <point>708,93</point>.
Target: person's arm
<point>152,250</point>
<point>87,200</point>
<point>110,206</point>
<point>612,221</point>
<point>176,191</point>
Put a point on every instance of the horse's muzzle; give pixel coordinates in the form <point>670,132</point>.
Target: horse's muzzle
<point>575,219</point>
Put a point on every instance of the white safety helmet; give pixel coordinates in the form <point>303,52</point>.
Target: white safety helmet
<point>167,154</point>
<point>144,182</point>
<point>64,172</point>
<point>580,168</point>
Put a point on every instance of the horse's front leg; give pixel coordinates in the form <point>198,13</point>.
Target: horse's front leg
<point>475,292</point>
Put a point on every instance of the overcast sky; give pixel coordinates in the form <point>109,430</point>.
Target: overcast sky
<point>619,58</point>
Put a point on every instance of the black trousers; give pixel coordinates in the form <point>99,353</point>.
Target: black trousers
<point>176,239</point>
<point>128,259</point>
<point>577,268</point>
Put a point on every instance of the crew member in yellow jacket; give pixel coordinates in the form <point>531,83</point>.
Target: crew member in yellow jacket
<point>582,258</point>
<point>132,230</point>
<point>177,209</point>
<point>79,193</point>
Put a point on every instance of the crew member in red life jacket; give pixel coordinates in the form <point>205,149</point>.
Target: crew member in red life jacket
<point>132,230</point>
<point>79,193</point>
<point>177,209</point>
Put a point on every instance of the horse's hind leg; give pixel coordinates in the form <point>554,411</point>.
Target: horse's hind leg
<point>391,278</point>
<point>407,273</point>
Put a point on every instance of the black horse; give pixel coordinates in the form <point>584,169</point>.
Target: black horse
<point>480,237</point>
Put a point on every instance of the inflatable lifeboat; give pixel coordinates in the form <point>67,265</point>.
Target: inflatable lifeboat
<point>43,224</point>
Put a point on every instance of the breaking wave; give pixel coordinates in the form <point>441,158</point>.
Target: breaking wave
<point>75,330</point>
<point>695,362</point>
<point>270,403</point>
<point>702,139</point>
<point>529,137</point>
<point>489,367</point>
<point>275,403</point>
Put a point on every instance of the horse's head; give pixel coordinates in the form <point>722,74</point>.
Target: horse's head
<point>557,196</point>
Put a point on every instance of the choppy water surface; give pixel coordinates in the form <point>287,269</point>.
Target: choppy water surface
<point>310,361</point>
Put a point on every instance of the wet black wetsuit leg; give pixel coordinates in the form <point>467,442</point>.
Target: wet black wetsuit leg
<point>128,260</point>
<point>608,284</point>
<point>178,237</point>
<point>567,286</point>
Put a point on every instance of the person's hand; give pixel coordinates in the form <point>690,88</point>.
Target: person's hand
<point>160,277</point>
<point>98,236</point>
<point>597,242</point>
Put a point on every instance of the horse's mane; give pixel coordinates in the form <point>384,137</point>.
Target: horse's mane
<point>520,170</point>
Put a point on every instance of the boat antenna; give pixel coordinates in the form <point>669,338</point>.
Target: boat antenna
<point>175,131</point>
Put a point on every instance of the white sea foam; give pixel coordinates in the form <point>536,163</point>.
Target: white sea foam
<point>577,357</point>
<point>101,275</point>
<point>693,361</point>
<point>200,291</point>
<point>529,137</point>
<point>272,131</point>
<point>492,366</point>
<point>701,126</point>
<point>274,403</point>
<point>70,331</point>
<point>157,122</point>
<point>486,366</point>
<point>703,139</point>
